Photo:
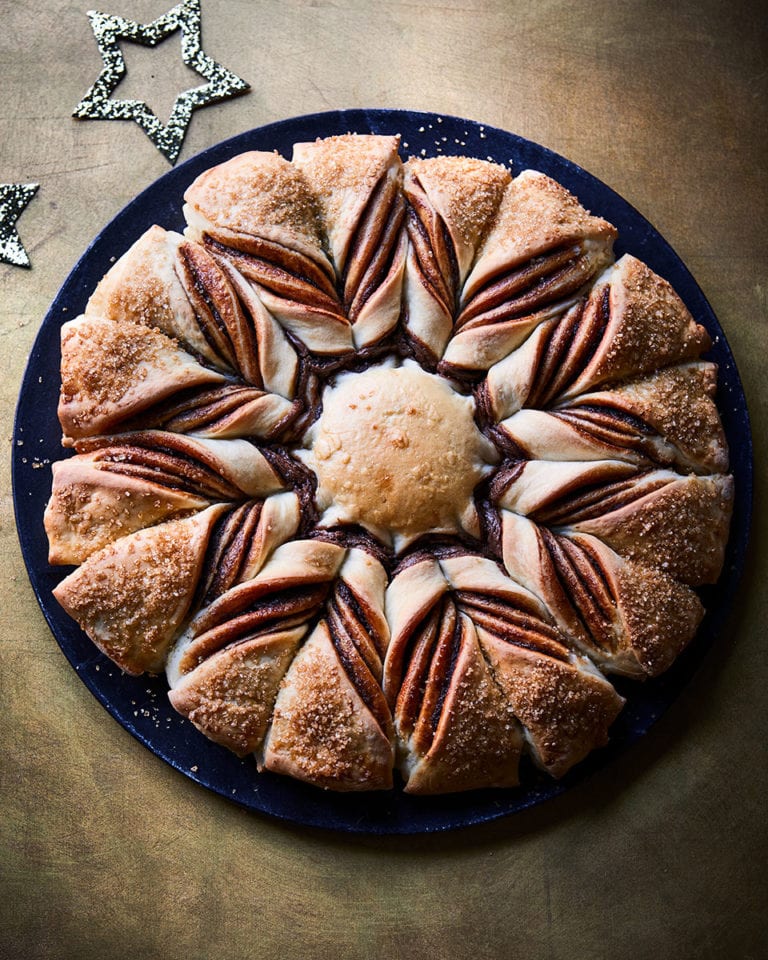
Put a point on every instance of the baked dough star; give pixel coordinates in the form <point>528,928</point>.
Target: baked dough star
<point>99,105</point>
<point>14,198</point>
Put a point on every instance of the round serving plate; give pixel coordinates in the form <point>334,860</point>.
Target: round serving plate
<point>141,704</point>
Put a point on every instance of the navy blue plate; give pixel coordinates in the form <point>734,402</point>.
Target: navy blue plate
<point>141,705</point>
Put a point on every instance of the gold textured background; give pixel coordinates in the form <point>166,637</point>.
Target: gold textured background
<point>107,852</point>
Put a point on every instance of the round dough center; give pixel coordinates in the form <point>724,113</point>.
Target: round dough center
<point>397,451</point>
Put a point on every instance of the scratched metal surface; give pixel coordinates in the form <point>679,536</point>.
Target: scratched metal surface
<point>106,851</point>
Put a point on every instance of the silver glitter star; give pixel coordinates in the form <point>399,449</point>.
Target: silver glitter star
<point>97,104</point>
<point>14,197</point>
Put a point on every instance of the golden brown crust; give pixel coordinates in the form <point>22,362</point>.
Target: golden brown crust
<point>143,286</point>
<point>464,194</point>
<point>357,182</point>
<point>257,213</point>
<point>565,707</point>
<point>321,729</point>
<point>451,203</point>
<point>667,418</point>
<point>536,214</point>
<point>342,172</point>
<point>682,528</point>
<point>111,372</point>
<point>660,615</point>
<point>256,194</point>
<point>629,618</point>
<point>648,327</point>
<point>678,524</point>
<point>230,696</point>
<point>89,509</point>
<point>678,404</point>
<point>477,741</point>
<point>121,484</point>
<point>131,617</point>
<point>439,681</point>
<point>301,582</point>
<point>289,590</point>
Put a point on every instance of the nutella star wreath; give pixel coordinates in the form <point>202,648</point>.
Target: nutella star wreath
<point>388,466</point>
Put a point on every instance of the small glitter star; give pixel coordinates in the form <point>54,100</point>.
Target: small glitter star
<point>14,197</point>
<point>97,103</point>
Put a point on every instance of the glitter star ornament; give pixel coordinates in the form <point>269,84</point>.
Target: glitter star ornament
<point>98,103</point>
<point>14,198</point>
